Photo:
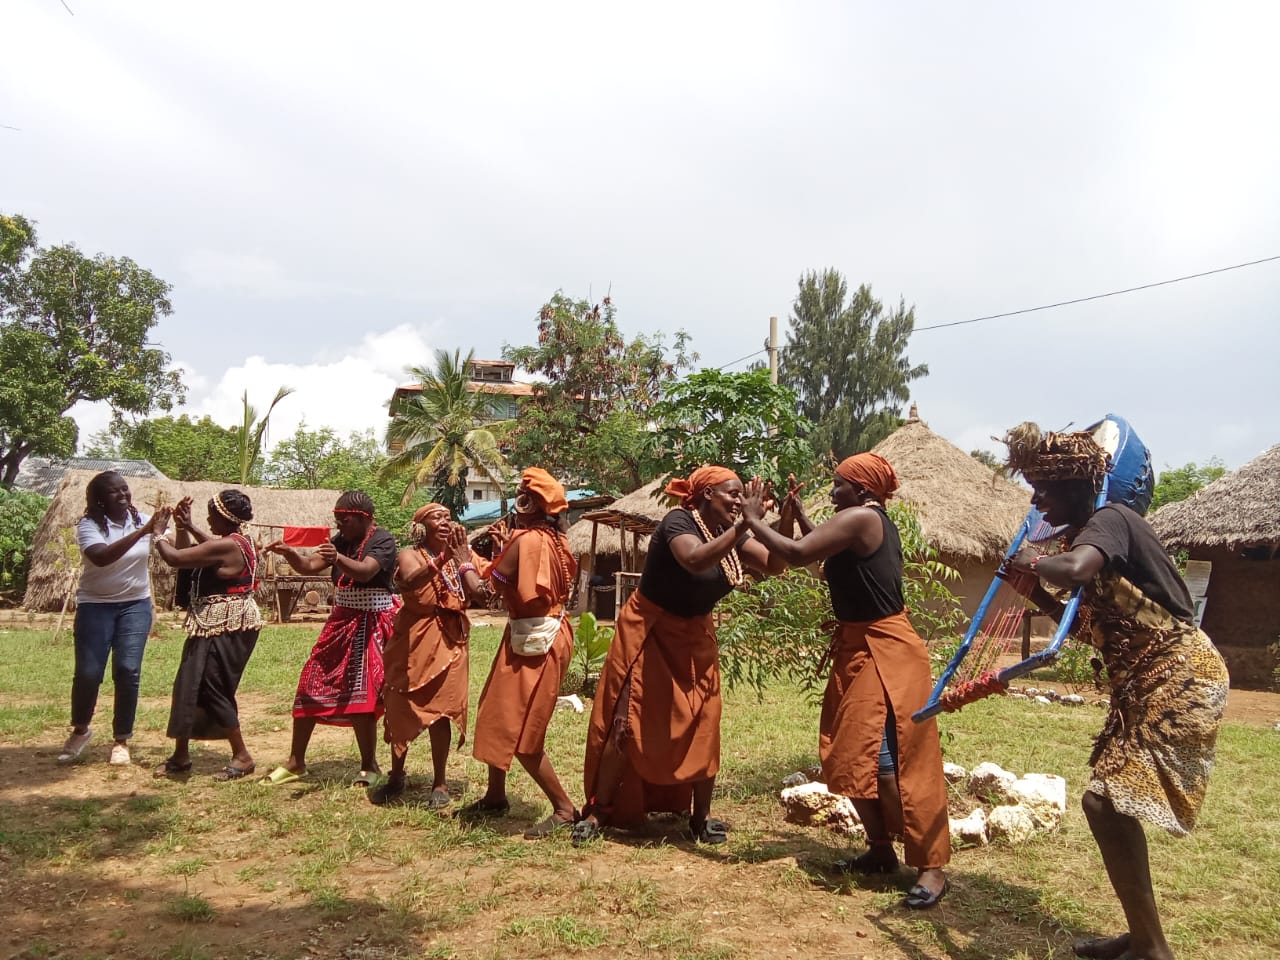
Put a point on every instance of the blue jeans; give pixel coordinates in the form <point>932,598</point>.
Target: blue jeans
<point>119,630</point>
<point>888,761</point>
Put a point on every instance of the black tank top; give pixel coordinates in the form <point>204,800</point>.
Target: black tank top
<point>867,588</point>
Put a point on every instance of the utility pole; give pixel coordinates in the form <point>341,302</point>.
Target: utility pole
<point>773,349</point>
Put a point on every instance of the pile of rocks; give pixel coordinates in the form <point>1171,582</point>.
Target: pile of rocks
<point>1036,695</point>
<point>1014,809</point>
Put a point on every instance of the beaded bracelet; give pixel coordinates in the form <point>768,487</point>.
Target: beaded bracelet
<point>465,567</point>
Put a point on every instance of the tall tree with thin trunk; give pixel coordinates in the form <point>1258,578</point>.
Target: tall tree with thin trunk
<point>444,432</point>
<point>252,432</point>
<point>846,360</point>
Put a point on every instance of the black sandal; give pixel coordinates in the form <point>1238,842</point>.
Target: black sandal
<point>388,791</point>
<point>481,809</point>
<point>438,800</point>
<point>711,831</point>
<point>1102,948</point>
<point>922,898</point>
<point>875,859</point>
<point>229,773</point>
<point>584,831</point>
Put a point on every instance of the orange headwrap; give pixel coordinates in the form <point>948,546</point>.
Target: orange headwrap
<point>420,515</point>
<point>546,488</point>
<point>688,491</point>
<point>871,471</point>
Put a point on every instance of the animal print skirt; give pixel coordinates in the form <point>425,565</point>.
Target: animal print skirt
<point>1168,692</point>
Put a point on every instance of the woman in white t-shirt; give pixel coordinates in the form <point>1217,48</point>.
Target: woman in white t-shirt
<point>113,610</point>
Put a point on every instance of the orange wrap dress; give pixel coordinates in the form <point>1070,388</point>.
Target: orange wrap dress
<point>426,661</point>
<point>879,661</point>
<point>661,684</point>
<point>658,699</point>
<point>519,697</point>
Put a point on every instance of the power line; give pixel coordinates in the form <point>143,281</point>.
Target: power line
<point>1098,296</point>
<point>740,359</point>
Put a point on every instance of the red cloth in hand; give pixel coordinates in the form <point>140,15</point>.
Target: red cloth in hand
<point>305,536</point>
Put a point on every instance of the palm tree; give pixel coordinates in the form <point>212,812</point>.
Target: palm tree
<point>445,432</point>
<point>251,433</point>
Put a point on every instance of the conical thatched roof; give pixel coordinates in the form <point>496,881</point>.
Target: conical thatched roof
<point>642,509</point>
<point>1238,509</point>
<point>46,583</point>
<point>966,509</point>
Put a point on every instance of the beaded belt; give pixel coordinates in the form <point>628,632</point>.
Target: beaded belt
<point>364,599</point>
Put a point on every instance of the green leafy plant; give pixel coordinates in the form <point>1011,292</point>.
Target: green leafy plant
<point>590,647</point>
<point>20,514</point>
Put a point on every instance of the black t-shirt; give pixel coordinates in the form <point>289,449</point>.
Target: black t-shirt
<point>1133,551</point>
<point>381,546</point>
<point>867,588</point>
<point>670,585</point>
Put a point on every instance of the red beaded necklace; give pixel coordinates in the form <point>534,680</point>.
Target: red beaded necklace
<point>344,579</point>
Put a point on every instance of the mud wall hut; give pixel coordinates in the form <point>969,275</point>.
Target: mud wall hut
<point>1234,523</point>
<point>55,561</point>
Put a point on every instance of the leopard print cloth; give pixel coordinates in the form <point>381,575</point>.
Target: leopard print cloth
<point>1168,693</point>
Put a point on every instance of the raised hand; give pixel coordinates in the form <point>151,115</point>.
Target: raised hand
<point>458,547</point>
<point>159,521</point>
<point>327,552</point>
<point>182,514</point>
<point>753,499</point>
<point>500,534</point>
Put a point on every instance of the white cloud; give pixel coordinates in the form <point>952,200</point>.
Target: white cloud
<point>347,392</point>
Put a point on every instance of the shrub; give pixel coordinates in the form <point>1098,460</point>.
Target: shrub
<point>20,514</point>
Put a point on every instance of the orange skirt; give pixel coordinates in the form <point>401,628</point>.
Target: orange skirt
<point>873,664</point>
<point>518,700</point>
<point>659,697</point>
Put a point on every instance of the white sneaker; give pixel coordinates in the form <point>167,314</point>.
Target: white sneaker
<point>75,745</point>
<point>120,755</point>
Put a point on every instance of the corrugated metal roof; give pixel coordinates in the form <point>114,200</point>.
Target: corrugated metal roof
<point>42,475</point>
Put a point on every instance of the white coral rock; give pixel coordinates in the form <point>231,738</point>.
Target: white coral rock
<point>1012,824</point>
<point>954,772</point>
<point>811,804</point>
<point>990,780</point>
<point>971,831</point>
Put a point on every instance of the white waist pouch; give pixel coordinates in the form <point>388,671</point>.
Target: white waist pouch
<point>534,636</point>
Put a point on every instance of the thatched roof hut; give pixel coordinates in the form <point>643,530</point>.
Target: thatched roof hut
<point>967,511</point>
<point>640,511</point>
<point>1239,509</point>
<point>1234,525</point>
<point>47,582</point>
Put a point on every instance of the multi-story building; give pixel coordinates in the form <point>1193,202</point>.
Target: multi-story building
<point>489,376</point>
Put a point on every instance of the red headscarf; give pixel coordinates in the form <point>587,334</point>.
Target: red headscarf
<point>690,490</point>
<point>546,488</point>
<point>872,471</point>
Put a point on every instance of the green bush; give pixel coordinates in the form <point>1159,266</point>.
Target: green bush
<point>20,514</point>
<point>774,629</point>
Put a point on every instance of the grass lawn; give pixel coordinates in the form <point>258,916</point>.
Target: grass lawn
<point>97,861</point>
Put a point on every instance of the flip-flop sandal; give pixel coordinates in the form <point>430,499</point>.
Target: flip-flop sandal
<point>171,767</point>
<point>870,861</point>
<point>229,773</point>
<point>280,776</point>
<point>438,800</point>
<point>367,778</point>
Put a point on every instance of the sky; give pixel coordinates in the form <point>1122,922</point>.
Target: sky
<point>336,190</point>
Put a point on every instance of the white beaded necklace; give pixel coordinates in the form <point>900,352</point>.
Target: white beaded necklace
<point>729,563</point>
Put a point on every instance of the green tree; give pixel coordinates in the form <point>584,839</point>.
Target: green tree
<point>317,459</point>
<point>252,432</point>
<point>20,514</point>
<point>73,328</point>
<point>443,432</point>
<point>846,360</point>
<point>738,420</point>
<point>180,447</point>
<point>987,459</point>
<point>1181,482</point>
<point>587,421</point>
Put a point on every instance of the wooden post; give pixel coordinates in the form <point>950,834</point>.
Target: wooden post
<point>1026,633</point>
